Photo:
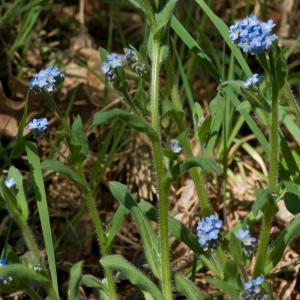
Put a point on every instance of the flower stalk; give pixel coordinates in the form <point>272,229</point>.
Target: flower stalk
<point>99,232</point>
<point>160,172</point>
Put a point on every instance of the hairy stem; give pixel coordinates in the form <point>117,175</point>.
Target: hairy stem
<point>160,172</point>
<point>99,232</point>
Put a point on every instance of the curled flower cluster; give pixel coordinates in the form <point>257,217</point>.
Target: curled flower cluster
<point>9,182</point>
<point>252,289</point>
<point>247,241</point>
<point>253,81</point>
<point>132,56</point>
<point>47,80</point>
<point>252,36</point>
<point>208,231</point>
<point>5,280</point>
<point>109,68</point>
<point>174,147</point>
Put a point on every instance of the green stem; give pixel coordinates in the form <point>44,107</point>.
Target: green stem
<point>160,172</point>
<point>99,232</point>
<point>262,247</point>
<point>197,175</point>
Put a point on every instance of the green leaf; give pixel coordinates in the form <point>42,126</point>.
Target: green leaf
<point>164,16</point>
<point>78,143</point>
<point>236,250</point>
<point>92,282</point>
<point>57,166</point>
<point>18,271</point>
<point>193,162</point>
<point>231,273</point>
<point>132,120</point>
<point>224,32</point>
<point>134,275</point>
<point>187,288</point>
<point>264,202</point>
<point>278,246</point>
<point>116,223</point>
<point>40,194</point>
<point>225,287</point>
<point>292,198</point>
<point>74,282</point>
<point>20,194</point>
<point>176,228</point>
<point>121,194</point>
<point>193,46</point>
<point>204,129</point>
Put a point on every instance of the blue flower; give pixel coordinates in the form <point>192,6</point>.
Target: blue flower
<point>47,80</point>
<point>174,147</point>
<point>208,232</point>
<point>109,67</point>
<point>253,80</point>
<point>9,182</point>
<point>253,290</point>
<point>247,241</point>
<point>38,125</point>
<point>3,262</point>
<point>253,36</point>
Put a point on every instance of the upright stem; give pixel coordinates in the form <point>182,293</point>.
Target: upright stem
<point>273,172</point>
<point>197,176</point>
<point>262,246</point>
<point>160,172</point>
<point>99,232</point>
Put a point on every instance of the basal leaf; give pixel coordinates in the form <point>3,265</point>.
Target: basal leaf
<point>74,282</point>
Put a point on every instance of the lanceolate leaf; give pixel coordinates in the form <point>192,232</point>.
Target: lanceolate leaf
<point>121,194</point>
<point>41,200</point>
<point>164,16</point>
<point>225,287</point>
<point>57,166</point>
<point>118,263</point>
<point>277,249</point>
<point>132,120</point>
<point>74,282</point>
<point>187,288</point>
<point>204,164</point>
<point>20,195</point>
<point>19,271</point>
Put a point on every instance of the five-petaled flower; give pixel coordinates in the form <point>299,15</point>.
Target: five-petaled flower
<point>109,68</point>
<point>9,182</point>
<point>253,36</point>
<point>174,146</point>
<point>252,289</point>
<point>248,242</point>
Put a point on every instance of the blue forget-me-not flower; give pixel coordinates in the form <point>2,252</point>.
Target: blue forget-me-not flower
<point>5,280</point>
<point>9,182</point>
<point>208,232</point>
<point>132,56</point>
<point>47,80</point>
<point>247,241</point>
<point>252,289</point>
<point>174,147</point>
<point>109,68</point>
<point>253,36</point>
<point>38,127</point>
<point>253,81</point>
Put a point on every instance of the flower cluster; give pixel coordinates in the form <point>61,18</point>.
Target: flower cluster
<point>9,182</point>
<point>38,127</point>
<point>253,81</point>
<point>109,68</point>
<point>5,280</point>
<point>174,147</point>
<point>47,80</point>
<point>252,289</point>
<point>208,231</point>
<point>132,56</point>
<point>247,241</point>
<point>252,36</point>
